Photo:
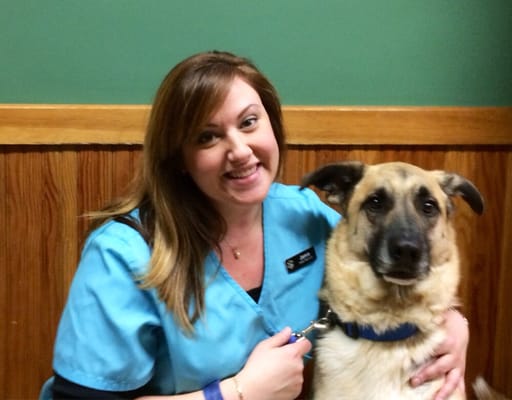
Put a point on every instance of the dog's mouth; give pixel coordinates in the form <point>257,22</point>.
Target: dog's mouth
<point>402,276</point>
<point>402,281</point>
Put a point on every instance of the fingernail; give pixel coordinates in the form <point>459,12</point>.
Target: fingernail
<point>416,381</point>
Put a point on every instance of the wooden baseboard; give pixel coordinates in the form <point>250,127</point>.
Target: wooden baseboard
<point>31,124</point>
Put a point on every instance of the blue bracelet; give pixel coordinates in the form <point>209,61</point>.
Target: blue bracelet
<point>212,391</point>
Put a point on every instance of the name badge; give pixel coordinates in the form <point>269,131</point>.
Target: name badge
<point>300,260</point>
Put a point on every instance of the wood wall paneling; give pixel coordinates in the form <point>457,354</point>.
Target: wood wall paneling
<point>24,186</point>
<point>45,188</point>
<point>6,274</point>
<point>502,355</point>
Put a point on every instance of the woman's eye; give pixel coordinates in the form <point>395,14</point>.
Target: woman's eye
<point>249,122</point>
<point>206,137</point>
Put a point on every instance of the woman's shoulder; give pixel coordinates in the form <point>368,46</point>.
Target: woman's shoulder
<point>304,195</point>
<point>118,243</point>
<point>284,197</point>
<point>285,191</point>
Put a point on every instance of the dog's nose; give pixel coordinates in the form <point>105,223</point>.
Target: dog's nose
<point>404,251</point>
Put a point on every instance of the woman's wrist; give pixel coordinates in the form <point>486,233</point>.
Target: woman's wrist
<point>231,389</point>
<point>212,391</point>
<point>238,388</point>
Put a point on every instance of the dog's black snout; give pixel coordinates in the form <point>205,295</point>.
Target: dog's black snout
<point>404,251</point>
<point>400,251</point>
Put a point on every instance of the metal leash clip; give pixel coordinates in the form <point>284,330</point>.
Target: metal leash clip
<point>320,324</point>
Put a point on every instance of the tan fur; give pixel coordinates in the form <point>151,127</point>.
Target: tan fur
<point>484,392</point>
<point>347,368</point>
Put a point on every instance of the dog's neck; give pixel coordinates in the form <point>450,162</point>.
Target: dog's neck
<point>357,331</point>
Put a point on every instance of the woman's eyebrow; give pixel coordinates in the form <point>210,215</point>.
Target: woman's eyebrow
<point>248,108</point>
<point>240,114</point>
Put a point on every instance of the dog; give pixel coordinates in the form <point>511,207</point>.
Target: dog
<point>392,270</point>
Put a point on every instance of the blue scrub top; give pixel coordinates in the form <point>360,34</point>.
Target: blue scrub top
<point>115,336</point>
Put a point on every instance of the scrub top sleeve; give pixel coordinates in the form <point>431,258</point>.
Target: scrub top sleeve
<point>332,216</point>
<point>108,334</point>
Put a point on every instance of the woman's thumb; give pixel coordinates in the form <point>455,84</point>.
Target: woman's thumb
<point>280,338</point>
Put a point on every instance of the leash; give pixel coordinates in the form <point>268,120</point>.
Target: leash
<point>355,330</point>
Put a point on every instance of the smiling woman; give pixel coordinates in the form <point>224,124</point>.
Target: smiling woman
<point>210,159</point>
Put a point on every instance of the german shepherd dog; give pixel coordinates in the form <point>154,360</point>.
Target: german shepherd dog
<point>392,270</point>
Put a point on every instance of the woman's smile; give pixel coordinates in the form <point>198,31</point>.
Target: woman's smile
<point>242,173</point>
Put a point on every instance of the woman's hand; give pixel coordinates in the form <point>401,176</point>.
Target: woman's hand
<point>450,357</point>
<point>274,368</point>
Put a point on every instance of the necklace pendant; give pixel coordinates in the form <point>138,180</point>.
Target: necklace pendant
<point>236,254</point>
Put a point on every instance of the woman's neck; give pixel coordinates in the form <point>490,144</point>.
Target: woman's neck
<point>243,241</point>
<point>242,220</point>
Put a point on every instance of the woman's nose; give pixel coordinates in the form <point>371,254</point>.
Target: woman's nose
<point>239,149</point>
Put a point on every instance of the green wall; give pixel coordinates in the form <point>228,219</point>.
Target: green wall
<point>340,52</point>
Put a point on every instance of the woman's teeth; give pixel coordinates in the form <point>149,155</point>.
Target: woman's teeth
<point>242,173</point>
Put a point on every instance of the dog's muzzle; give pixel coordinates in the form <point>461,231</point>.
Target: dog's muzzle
<point>400,256</point>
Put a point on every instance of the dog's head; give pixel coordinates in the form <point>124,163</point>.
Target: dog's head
<point>397,215</point>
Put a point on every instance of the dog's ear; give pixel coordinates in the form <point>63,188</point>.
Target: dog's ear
<point>336,179</point>
<point>456,185</point>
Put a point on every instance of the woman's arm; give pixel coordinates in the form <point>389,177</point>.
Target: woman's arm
<point>228,388</point>
<point>274,371</point>
<point>450,360</point>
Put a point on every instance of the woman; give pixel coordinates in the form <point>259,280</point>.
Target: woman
<point>190,286</point>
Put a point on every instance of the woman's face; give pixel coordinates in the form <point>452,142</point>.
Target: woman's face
<point>235,157</point>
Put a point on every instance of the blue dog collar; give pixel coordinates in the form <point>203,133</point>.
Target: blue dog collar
<point>356,331</point>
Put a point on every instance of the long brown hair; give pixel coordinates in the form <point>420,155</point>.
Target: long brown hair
<point>181,222</point>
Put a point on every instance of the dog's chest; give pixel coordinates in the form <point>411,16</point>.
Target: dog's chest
<point>360,369</point>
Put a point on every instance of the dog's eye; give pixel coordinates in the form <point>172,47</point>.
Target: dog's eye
<point>374,203</point>
<point>430,207</point>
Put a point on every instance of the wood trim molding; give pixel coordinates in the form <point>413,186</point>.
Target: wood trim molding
<point>30,124</point>
<point>72,124</point>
